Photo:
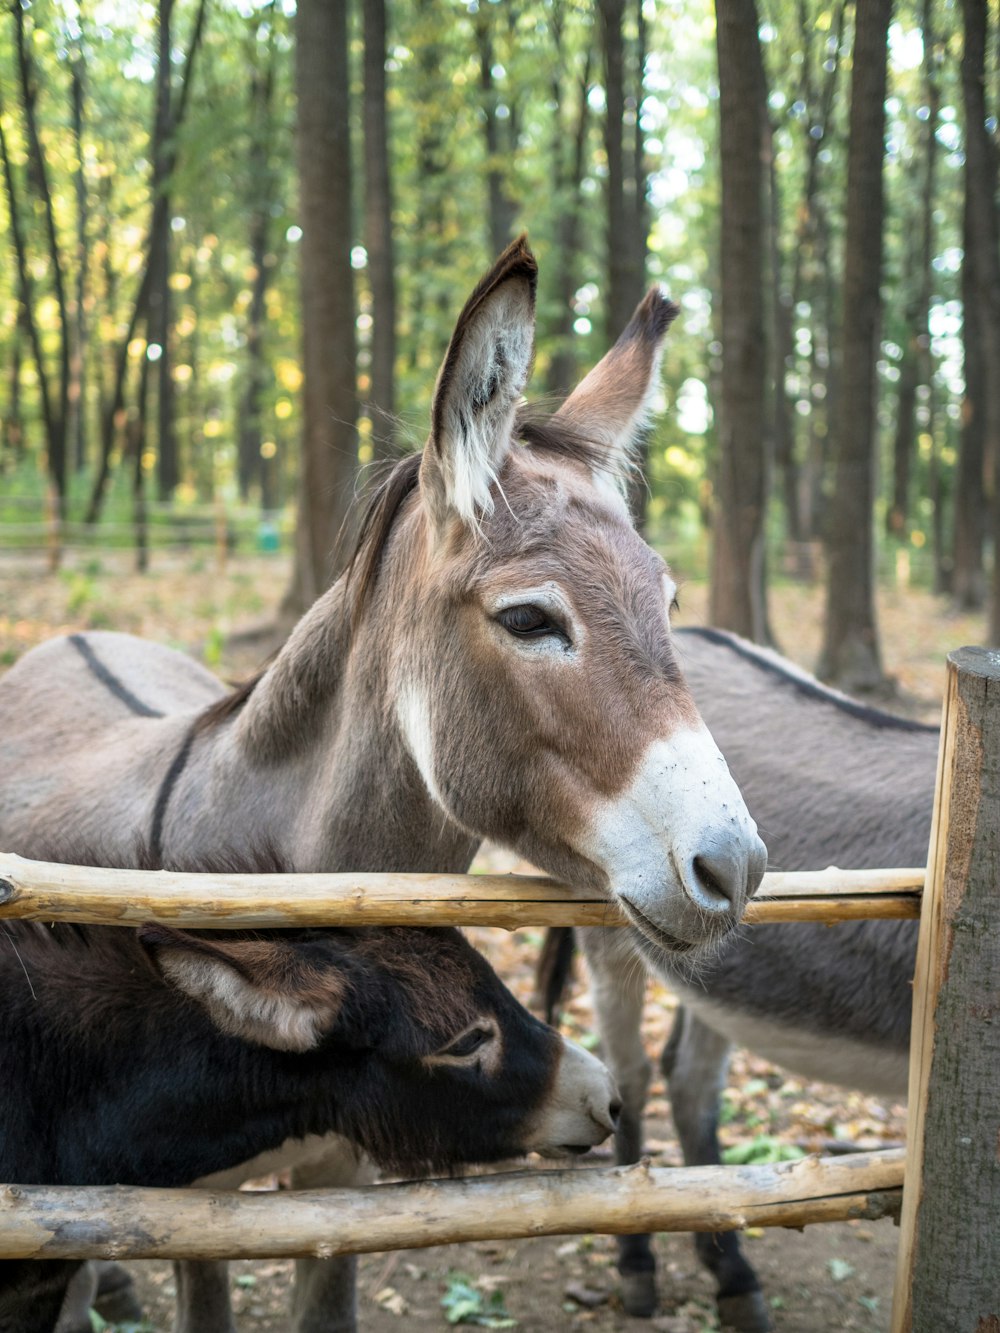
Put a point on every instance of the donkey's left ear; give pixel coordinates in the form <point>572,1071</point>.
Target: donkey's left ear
<point>478,387</point>
<point>272,992</point>
<point>611,404</point>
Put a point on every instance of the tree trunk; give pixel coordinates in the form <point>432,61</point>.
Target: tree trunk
<point>982,256</point>
<point>501,208</point>
<point>626,194</point>
<point>329,449</point>
<point>251,463</point>
<point>77,427</point>
<point>918,367</point>
<point>378,235</point>
<point>562,369</point>
<point>968,575</point>
<point>158,323</point>
<point>850,655</point>
<point>737,598</point>
<point>113,414</point>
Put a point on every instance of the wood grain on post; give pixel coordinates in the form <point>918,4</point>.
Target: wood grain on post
<point>44,891</point>
<point>948,1274</point>
<point>43,1222</point>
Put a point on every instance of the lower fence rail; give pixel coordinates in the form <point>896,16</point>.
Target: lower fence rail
<point>122,1222</point>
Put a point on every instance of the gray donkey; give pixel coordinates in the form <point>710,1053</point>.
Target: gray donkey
<point>496,663</point>
<point>830,782</point>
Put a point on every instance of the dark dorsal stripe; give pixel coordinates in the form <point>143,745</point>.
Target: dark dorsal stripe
<point>163,795</point>
<point>110,681</point>
<point>812,689</point>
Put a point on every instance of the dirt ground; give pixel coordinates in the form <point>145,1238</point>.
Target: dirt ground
<point>826,1278</point>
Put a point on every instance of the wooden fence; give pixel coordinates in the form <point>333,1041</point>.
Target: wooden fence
<point>949,1261</point>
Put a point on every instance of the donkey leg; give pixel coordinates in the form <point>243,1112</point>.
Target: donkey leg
<point>202,1297</point>
<point>618,984</point>
<point>695,1061</point>
<point>325,1295</point>
<point>115,1299</point>
<point>74,1317</point>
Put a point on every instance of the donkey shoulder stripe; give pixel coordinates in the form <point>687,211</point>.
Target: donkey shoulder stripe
<point>109,680</point>
<point>163,795</point>
<point>803,682</point>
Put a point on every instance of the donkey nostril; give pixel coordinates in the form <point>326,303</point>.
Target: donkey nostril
<point>615,1110</point>
<point>718,880</point>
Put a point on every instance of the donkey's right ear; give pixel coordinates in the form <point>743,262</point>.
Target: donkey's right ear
<point>478,387</point>
<point>271,991</point>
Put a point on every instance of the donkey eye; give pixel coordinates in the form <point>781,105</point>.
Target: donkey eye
<point>529,622</point>
<point>468,1043</point>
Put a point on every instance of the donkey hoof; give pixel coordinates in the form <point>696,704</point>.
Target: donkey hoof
<point>746,1312</point>
<point>639,1294</point>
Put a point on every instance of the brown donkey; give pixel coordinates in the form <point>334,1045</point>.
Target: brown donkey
<point>497,663</point>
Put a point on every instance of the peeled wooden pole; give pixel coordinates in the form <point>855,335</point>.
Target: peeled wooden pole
<point>948,1274</point>
<point>44,891</point>
<point>40,1222</point>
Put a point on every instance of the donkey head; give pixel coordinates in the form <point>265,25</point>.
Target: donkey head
<point>404,1040</point>
<point>535,685</point>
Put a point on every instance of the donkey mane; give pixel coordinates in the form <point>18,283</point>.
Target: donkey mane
<point>806,684</point>
<point>542,433</point>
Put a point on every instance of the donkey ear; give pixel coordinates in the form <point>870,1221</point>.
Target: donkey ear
<point>267,991</point>
<point>478,386</point>
<point>612,403</point>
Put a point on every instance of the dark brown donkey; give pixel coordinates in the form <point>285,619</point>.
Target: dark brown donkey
<point>161,1057</point>
<point>496,664</point>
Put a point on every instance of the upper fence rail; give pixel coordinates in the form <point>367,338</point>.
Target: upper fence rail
<point>47,891</point>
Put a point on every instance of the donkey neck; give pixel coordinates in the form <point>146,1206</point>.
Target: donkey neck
<point>317,758</point>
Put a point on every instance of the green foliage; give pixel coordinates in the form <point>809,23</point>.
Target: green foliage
<point>464,1303</point>
<point>453,65</point>
<point>761,1150</point>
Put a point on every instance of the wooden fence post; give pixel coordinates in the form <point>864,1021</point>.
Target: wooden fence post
<point>948,1276</point>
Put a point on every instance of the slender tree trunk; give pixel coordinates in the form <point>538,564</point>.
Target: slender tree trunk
<point>379,240</point>
<point>55,391</point>
<point>329,446</point>
<point>968,574</point>
<point>158,324</point>
<point>562,369</point>
<point>737,599</point>
<point>502,210</point>
<point>112,418</point>
<point>918,367</point>
<point>982,255</point>
<point>250,461</point>
<point>626,192</point>
<point>850,654</point>
<point>77,427</point>
<point>13,420</point>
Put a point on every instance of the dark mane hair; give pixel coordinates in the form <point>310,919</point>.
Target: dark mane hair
<point>541,432</point>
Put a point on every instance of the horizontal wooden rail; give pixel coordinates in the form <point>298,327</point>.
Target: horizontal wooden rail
<point>44,1222</point>
<point>44,891</point>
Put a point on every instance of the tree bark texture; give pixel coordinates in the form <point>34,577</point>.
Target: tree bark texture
<point>850,654</point>
<point>328,464</point>
<point>982,255</point>
<point>626,193</point>
<point>737,600</point>
<point>379,241</point>
<point>970,509</point>
<point>50,891</point>
<point>252,466</point>
<point>568,149</point>
<point>949,1257</point>
<point>48,1222</point>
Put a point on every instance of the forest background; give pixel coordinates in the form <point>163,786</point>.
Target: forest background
<point>237,236</point>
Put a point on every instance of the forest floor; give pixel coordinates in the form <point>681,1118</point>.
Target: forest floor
<point>826,1278</point>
